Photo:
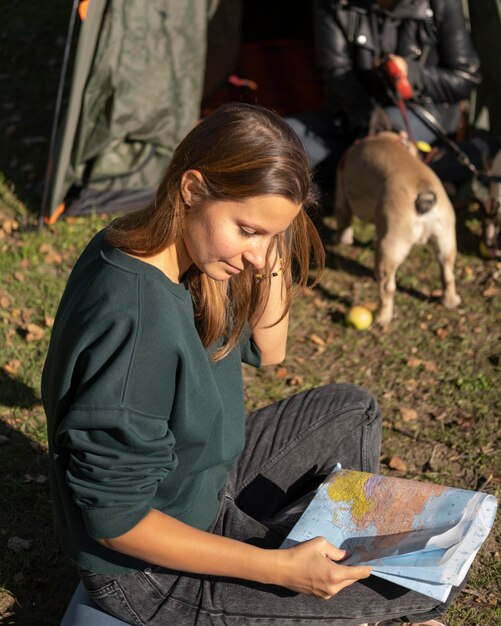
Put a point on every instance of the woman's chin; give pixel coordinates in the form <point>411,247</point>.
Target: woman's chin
<point>219,271</point>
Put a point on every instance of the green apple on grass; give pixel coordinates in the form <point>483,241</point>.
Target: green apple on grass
<point>359,317</point>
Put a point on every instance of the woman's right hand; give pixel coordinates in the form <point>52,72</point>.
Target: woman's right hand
<point>312,568</point>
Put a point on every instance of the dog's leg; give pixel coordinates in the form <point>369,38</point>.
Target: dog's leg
<point>387,286</point>
<point>390,253</point>
<point>446,257</point>
<point>345,234</point>
<point>342,212</point>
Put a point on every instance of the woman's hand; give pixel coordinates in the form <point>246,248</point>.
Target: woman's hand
<point>309,567</point>
<point>401,63</point>
<point>312,568</point>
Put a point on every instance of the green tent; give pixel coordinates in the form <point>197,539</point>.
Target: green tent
<point>136,88</point>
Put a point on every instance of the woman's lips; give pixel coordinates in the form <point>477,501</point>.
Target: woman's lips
<point>233,268</point>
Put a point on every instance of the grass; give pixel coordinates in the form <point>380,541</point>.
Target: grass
<point>443,364</point>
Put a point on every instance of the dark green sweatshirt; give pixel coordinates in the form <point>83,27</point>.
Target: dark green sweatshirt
<point>138,415</point>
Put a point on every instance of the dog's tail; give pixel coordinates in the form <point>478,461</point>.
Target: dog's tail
<point>425,201</point>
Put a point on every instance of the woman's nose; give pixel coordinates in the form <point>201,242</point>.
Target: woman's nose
<point>256,255</point>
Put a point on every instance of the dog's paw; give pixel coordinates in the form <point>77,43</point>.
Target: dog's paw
<point>383,320</point>
<point>346,236</point>
<point>451,301</point>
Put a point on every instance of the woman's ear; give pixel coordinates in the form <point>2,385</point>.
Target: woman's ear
<point>191,183</point>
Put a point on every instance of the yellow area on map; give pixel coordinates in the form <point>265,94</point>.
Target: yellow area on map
<point>351,488</point>
<point>391,505</point>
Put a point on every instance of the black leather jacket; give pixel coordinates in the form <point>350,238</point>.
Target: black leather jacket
<point>354,36</point>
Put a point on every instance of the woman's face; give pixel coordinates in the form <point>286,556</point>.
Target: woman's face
<point>223,237</point>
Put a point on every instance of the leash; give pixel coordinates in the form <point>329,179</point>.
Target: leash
<point>490,243</point>
<point>433,124</point>
<point>400,90</point>
<point>403,112</point>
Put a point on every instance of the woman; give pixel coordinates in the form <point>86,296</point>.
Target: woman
<point>172,513</point>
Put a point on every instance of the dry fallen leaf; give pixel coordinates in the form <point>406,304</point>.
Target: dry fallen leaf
<point>441,333</point>
<point>411,384</point>
<point>52,256</point>
<point>5,301</point>
<point>296,380</point>
<point>414,362</point>
<point>9,225</point>
<point>34,332</point>
<point>49,321</point>
<point>16,314</point>
<point>19,276</point>
<point>491,292</point>
<point>7,601</point>
<point>16,544</point>
<point>282,373</point>
<point>397,464</point>
<point>12,367</point>
<point>430,366</point>
<point>317,340</point>
<point>27,314</point>
<point>408,414</point>
<point>9,335</point>
<point>372,306</point>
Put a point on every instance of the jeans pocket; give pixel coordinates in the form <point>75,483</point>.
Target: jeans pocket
<point>97,585</point>
<point>161,581</point>
<point>108,594</point>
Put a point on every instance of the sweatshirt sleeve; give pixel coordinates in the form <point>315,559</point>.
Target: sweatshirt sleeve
<point>116,458</point>
<point>113,440</point>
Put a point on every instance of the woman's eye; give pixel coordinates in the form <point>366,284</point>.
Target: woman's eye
<point>247,232</point>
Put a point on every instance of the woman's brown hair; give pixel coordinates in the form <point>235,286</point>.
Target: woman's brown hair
<point>241,151</point>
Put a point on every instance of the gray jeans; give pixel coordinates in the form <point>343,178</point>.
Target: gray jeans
<point>290,447</point>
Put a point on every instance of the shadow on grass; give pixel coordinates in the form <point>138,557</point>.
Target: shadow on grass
<point>14,393</point>
<point>467,241</point>
<point>38,575</point>
<point>33,41</point>
<point>341,263</point>
<point>358,270</point>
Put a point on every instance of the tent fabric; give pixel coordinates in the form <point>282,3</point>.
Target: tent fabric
<point>136,91</point>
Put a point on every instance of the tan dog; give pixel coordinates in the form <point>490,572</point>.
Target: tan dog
<point>381,180</point>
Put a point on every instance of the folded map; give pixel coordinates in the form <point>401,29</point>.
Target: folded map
<point>419,535</point>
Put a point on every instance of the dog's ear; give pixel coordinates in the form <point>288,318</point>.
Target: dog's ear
<point>379,121</point>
